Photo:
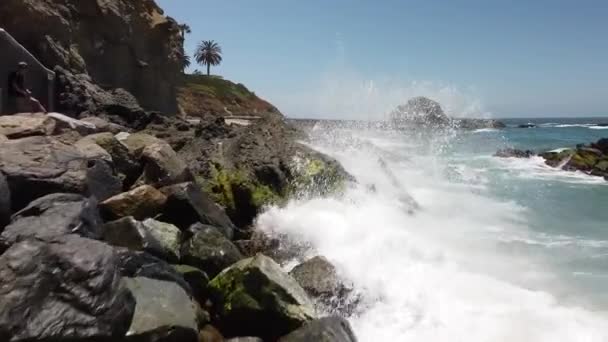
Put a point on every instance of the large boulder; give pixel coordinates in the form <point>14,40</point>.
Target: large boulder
<point>52,216</point>
<point>5,202</point>
<point>163,312</point>
<point>209,250</point>
<point>319,278</point>
<point>255,297</point>
<point>141,203</point>
<point>197,279</point>
<point>245,169</point>
<point>188,204</point>
<point>37,166</point>
<point>65,289</point>
<point>93,37</point>
<point>102,180</point>
<point>168,237</point>
<point>420,112</point>
<point>126,164</point>
<point>137,142</point>
<point>157,238</point>
<point>26,125</point>
<point>162,166</point>
<point>327,329</point>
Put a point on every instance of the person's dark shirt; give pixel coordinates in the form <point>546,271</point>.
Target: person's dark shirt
<point>18,79</point>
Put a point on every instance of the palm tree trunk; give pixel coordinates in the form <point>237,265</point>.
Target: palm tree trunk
<point>208,69</point>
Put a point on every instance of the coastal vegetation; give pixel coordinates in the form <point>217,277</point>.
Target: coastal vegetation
<point>208,53</point>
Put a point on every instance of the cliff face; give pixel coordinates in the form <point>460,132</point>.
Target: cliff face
<point>119,43</point>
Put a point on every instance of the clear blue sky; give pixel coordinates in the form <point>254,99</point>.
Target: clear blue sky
<point>329,57</point>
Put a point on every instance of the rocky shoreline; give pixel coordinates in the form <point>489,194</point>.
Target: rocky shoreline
<point>122,219</point>
<point>126,238</point>
<point>591,159</point>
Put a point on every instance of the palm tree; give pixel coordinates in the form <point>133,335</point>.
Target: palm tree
<point>185,28</point>
<point>185,61</point>
<point>208,53</point>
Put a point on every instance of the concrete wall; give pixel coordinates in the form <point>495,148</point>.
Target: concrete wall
<point>39,79</point>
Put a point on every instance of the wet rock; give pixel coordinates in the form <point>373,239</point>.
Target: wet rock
<point>254,297</point>
<point>26,125</point>
<point>102,181</point>
<point>142,264</point>
<point>328,329</point>
<point>168,237</point>
<point>513,153</point>
<point>584,159</point>
<point>163,311</point>
<point>245,339</point>
<point>37,166</point>
<point>142,202</point>
<point>319,278</point>
<point>244,170</point>
<point>5,202</point>
<point>66,289</point>
<point>188,204</point>
<point>52,216</point>
<point>162,166</point>
<point>197,280</point>
<point>555,159</point>
<point>209,250</point>
<point>528,125</point>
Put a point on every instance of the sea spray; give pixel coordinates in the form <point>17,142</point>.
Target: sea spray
<point>441,272</point>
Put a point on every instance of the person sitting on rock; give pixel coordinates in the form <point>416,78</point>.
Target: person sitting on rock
<point>18,92</point>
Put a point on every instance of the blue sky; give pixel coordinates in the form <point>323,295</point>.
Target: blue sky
<point>337,57</point>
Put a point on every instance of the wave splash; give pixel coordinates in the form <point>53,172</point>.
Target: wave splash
<point>440,274</point>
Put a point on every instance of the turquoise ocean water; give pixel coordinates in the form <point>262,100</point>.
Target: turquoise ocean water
<point>567,212</point>
<point>444,242</point>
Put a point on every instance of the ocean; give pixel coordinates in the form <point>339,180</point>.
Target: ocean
<point>444,242</point>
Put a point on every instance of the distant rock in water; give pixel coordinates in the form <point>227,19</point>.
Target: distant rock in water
<point>420,112</point>
<point>513,153</point>
<point>424,112</point>
<point>472,124</point>
<point>528,125</point>
<point>591,159</point>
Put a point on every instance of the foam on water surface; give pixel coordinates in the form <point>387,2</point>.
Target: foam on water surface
<point>441,274</point>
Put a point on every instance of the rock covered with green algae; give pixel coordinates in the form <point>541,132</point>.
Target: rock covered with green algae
<point>246,168</point>
<point>209,250</point>
<point>255,297</point>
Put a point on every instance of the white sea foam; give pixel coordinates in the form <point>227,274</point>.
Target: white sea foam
<point>535,168</point>
<point>598,127</point>
<point>437,275</point>
<point>486,130</point>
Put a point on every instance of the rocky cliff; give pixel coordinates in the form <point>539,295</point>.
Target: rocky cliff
<point>119,43</point>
